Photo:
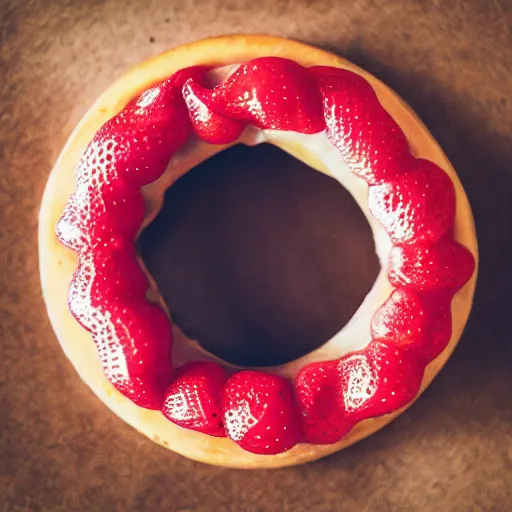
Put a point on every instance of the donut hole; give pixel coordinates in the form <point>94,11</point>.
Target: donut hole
<point>258,257</point>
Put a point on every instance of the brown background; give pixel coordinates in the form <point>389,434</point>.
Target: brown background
<point>60,450</point>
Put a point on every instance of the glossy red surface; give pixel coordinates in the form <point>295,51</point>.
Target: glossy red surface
<point>413,199</point>
<point>107,293</point>
<point>321,402</point>
<point>193,400</point>
<point>260,413</point>
<point>208,125</point>
<point>418,207</point>
<point>379,379</point>
<point>270,93</point>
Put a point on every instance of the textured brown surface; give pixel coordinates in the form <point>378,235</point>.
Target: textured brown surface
<point>60,450</point>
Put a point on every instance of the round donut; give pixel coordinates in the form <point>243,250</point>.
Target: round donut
<point>160,120</point>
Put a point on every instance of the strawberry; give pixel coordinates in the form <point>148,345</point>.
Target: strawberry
<point>130,150</point>
<point>422,321</point>
<point>133,340</point>
<point>371,142</point>
<point>378,379</point>
<point>114,209</point>
<point>416,207</point>
<point>208,125</point>
<point>193,400</point>
<point>318,394</point>
<point>444,265</point>
<point>117,272</point>
<point>270,93</point>
<point>107,293</point>
<point>137,143</point>
<point>260,413</point>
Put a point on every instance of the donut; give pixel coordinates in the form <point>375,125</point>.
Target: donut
<point>174,111</point>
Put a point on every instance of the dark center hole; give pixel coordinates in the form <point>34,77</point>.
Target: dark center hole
<point>260,258</point>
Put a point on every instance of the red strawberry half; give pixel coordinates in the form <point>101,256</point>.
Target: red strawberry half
<point>318,393</point>
<point>422,321</point>
<point>133,341</point>
<point>208,125</point>
<point>416,207</point>
<point>270,93</point>
<point>260,413</point>
<point>444,265</point>
<point>193,399</point>
<point>371,142</point>
<point>378,379</point>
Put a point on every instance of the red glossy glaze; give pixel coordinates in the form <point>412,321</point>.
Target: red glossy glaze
<point>208,125</point>
<point>379,379</point>
<point>413,199</point>
<point>321,402</point>
<point>193,399</point>
<point>260,412</point>
<point>270,93</point>
<point>371,142</point>
<point>445,265</point>
<point>416,207</point>
<point>411,318</point>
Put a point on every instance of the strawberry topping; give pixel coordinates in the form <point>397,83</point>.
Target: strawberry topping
<point>444,265</point>
<point>260,413</point>
<point>208,125</point>
<point>270,93</point>
<point>409,317</point>
<point>371,142</point>
<point>413,199</point>
<point>107,293</point>
<point>193,399</point>
<point>321,402</point>
<point>416,207</point>
<point>378,379</point>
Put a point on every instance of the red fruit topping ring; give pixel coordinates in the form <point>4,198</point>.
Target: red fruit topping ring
<point>411,199</point>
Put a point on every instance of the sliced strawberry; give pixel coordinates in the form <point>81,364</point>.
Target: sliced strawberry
<point>208,125</point>
<point>420,320</point>
<point>371,142</point>
<point>133,340</point>
<point>416,207</point>
<point>107,293</point>
<point>138,143</point>
<point>260,413</point>
<point>318,394</point>
<point>130,150</point>
<point>114,209</point>
<point>444,265</point>
<point>117,272</point>
<point>193,399</point>
<point>270,93</point>
<point>379,379</point>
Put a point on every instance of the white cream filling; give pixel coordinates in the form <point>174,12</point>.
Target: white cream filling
<point>356,333</point>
